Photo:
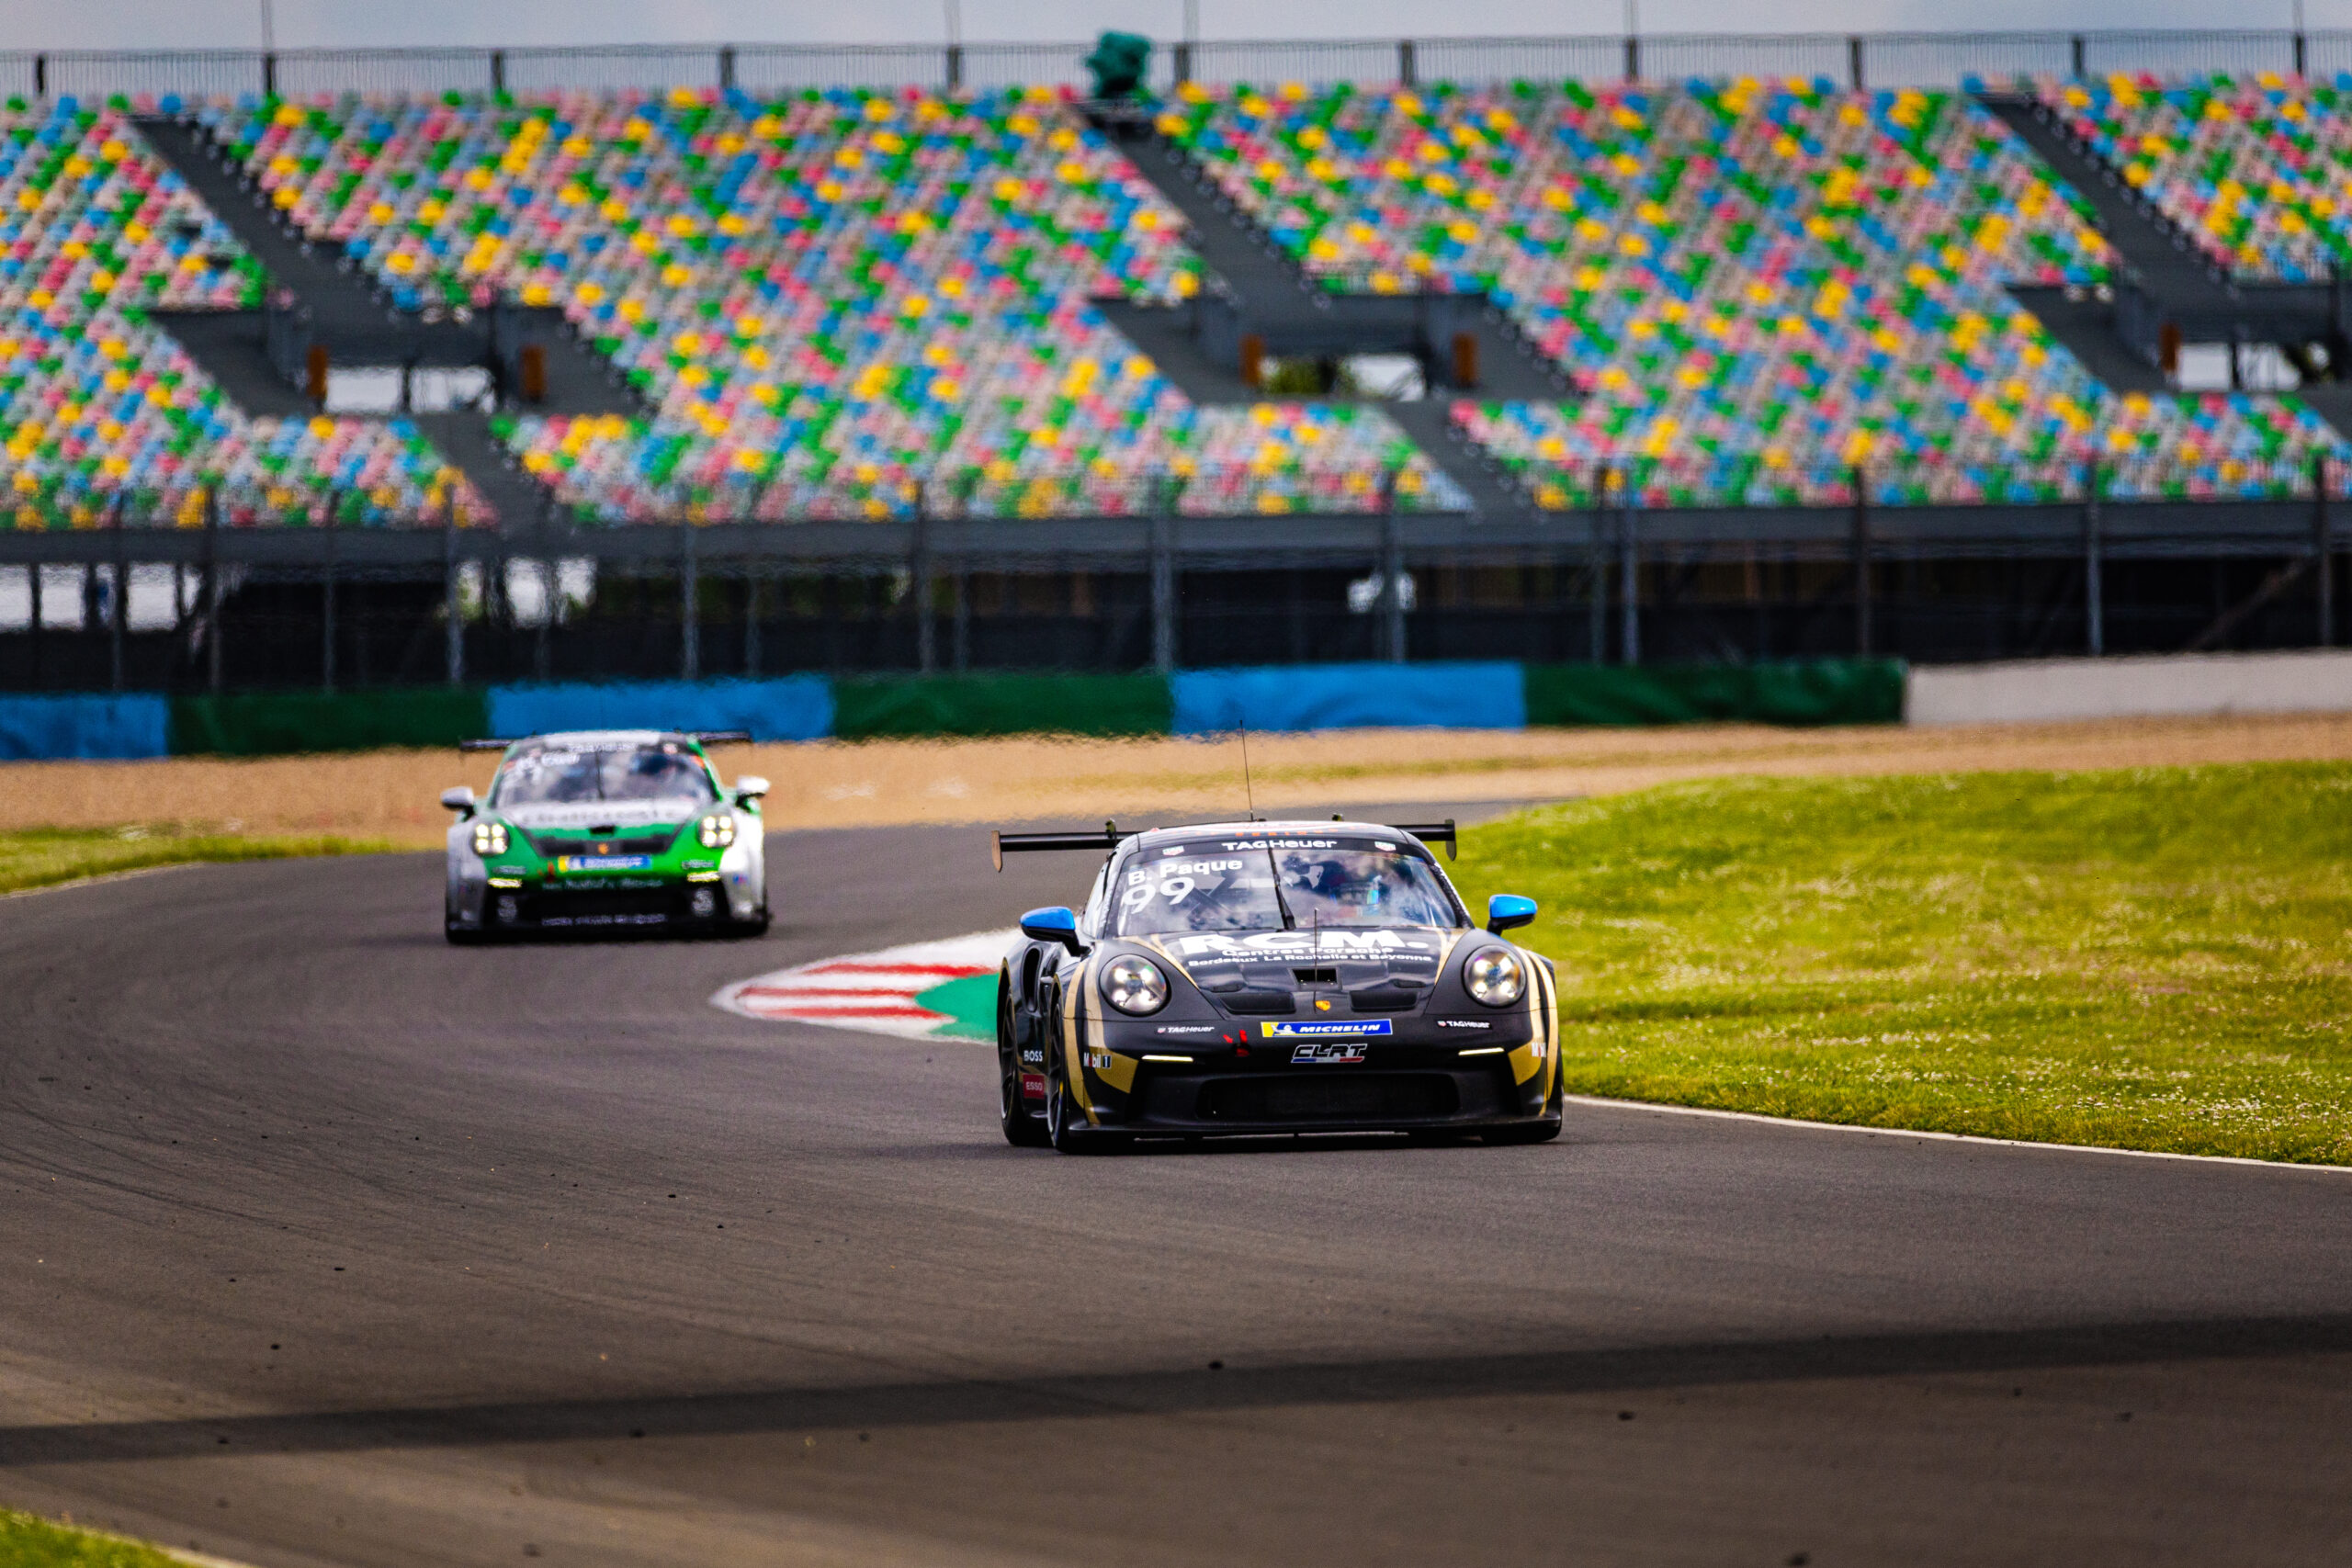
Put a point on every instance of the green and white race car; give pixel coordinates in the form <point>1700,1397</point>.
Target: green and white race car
<point>608,830</point>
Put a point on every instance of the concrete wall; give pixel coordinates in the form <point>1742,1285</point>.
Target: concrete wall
<point>2159,686</point>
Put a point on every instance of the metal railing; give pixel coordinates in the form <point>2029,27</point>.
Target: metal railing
<point>1874,60</point>
<point>1988,481</point>
<point>30,504</point>
<point>964,495</point>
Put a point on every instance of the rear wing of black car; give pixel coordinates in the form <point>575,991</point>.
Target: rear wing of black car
<point>700,736</point>
<point>1432,833</point>
<point>1004,844</point>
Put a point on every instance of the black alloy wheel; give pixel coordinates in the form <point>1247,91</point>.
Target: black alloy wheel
<point>1059,1108</point>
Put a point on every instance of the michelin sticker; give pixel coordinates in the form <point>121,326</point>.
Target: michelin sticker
<point>926,990</point>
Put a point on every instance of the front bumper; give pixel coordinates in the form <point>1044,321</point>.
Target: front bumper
<point>603,904</point>
<point>1393,1088</point>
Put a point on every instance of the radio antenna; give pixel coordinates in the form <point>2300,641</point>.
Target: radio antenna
<point>1248,792</point>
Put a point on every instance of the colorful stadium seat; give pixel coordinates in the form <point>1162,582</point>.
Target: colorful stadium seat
<point>1759,287</point>
<point>105,414</point>
<point>840,304</point>
<point>2255,169</point>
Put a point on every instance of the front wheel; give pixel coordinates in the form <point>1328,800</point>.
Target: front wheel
<point>1066,1125</point>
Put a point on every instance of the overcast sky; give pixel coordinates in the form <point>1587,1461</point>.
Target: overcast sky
<point>181,23</point>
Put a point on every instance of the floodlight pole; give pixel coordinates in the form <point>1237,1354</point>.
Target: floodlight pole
<point>1630,589</point>
<point>1597,560</point>
<point>689,606</point>
<point>2323,556</point>
<point>326,602</point>
<point>1861,551</point>
<point>454,631</point>
<point>1163,583</point>
<point>920,572</point>
<point>119,620</point>
<point>2094,584</point>
<point>211,589</point>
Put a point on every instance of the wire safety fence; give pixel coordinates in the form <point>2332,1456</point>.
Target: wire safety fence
<point>1877,60</point>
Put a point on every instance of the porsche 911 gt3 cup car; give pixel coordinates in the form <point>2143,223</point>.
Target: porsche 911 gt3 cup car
<point>1272,978</point>
<point>600,829</point>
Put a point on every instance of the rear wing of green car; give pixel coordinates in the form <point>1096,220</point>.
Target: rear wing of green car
<point>700,738</point>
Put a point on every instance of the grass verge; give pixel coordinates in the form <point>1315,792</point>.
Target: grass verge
<point>2152,958</point>
<point>42,857</point>
<point>29,1543</point>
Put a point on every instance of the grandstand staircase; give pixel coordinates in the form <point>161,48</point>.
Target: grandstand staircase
<point>2168,287</point>
<point>316,296</point>
<point>1260,292</point>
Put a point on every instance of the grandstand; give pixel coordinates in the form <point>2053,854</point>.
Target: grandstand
<point>845,325</point>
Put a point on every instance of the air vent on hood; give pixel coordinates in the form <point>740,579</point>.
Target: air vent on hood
<point>1258,1000</point>
<point>1317,977</point>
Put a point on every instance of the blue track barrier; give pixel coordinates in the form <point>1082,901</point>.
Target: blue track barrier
<point>791,708</point>
<point>86,727</point>
<point>1352,696</point>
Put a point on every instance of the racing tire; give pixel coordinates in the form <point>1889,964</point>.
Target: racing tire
<point>1072,1137</point>
<point>757,926</point>
<point>1021,1130</point>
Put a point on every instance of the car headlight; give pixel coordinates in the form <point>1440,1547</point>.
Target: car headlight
<point>1135,986</point>
<point>1496,976</point>
<point>717,831</point>
<point>490,839</point>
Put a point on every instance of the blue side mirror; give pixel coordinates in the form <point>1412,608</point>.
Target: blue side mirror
<point>1055,924</point>
<point>1505,911</point>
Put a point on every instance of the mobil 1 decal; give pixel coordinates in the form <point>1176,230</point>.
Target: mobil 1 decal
<point>925,990</point>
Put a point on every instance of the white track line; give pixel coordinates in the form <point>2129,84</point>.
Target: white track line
<point>1944,1137</point>
<point>105,877</point>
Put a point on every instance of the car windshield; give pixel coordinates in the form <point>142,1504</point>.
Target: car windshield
<point>1229,886</point>
<point>581,773</point>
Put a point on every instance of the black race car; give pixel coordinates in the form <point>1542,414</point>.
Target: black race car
<point>1253,977</point>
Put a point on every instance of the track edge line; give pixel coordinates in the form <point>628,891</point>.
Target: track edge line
<point>1661,1107</point>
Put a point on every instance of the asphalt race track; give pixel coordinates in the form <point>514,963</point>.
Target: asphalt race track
<point>325,1243</point>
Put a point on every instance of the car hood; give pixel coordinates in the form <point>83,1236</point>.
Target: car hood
<point>1222,961</point>
<point>620,815</point>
